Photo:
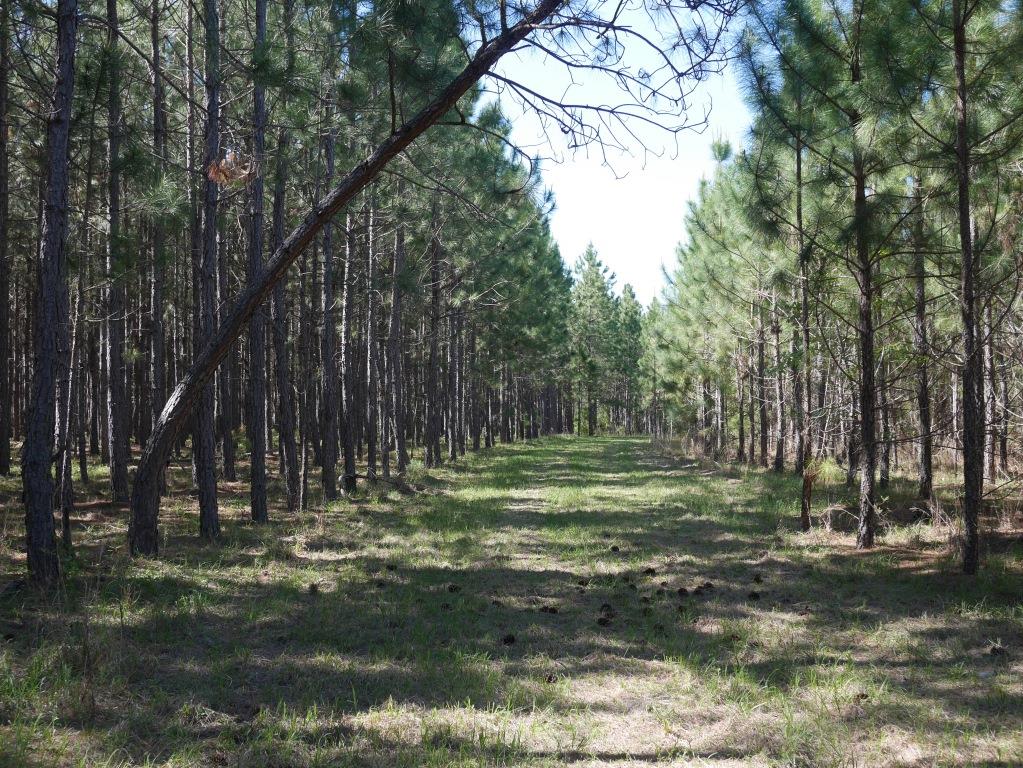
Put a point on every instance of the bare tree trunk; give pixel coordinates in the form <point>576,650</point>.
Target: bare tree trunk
<point>865,332</point>
<point>36,455</point>
<point>7,405</point>
<point>433,415</point>
<point>741,393</point>
<point>803,386</point>
<point>990,393</point>
<point>328,345</point>
<point>279,317</point>
<point>925,440</point>
<point>158,370</point>
<point>779,389</point>
<point>116,371</point>
<point>762,384</point>
<point>347,425</point>
<point>256,410</point>
<point>209,517</point>
<point>394,347</point>
<point>1003,414</point>
<point>885,471</point>
<point>65,405</point>
<point>972,371</point>
<point>371,342</point>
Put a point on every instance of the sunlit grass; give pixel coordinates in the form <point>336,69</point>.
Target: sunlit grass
<point>460,626</point>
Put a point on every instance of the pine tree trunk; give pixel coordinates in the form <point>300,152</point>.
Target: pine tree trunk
<point>225,403</point>
<point>779,389</point>
<point>885,470</point>
<point>328,346</point>
<point>7,405</point>
<point>990,393</point>
<point>925,440</point>
<point>209,517</point>
<point>803,386</point>
<point>433,416</point>
<point>741,409</point>
<point>279,322</point>
<point>256,410</point>
<point>865,333</point>
<point>36,456</point>
<point>972,371</point>
<point>348,414</point>
<point>371,343</point>
<point>762,385</point>
<point>118,409</point>
<point>394,346</point>
<point>158,370</point>
<point>65,416</point>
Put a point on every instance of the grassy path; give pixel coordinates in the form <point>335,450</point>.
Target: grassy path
<point>524,611</point>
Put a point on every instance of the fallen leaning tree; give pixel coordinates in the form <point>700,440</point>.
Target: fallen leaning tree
<point>143,536</point>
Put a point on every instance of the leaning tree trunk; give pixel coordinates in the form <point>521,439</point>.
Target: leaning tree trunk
<point>143,532</point>
<point>36,458</point>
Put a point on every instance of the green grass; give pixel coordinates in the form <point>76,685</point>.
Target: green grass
<point>373,633</point>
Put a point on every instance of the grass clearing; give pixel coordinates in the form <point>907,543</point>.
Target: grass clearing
<point>524,610</point>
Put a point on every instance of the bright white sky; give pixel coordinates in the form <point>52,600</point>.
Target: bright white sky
<point>636,221</point>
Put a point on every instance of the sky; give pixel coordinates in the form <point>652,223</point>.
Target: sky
<point>633,211</point>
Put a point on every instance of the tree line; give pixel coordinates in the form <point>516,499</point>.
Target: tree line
<point>163,164</point>
<point>849,287</point>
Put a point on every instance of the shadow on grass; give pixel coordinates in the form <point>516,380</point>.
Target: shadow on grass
<point>488,593</point>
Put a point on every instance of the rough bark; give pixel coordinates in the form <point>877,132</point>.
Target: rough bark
<point>371,341</point>
<point>328,346</point>
<point>347,425</point>
<point>6,404</point>
<point>803,386</point>
<point>925,440</point>
<point>118,409</point>
<point>158,370</point>
<point>972,371</point>
<point>394,350</point>
<point>779,389</point>
<point>865,337</point>
<point>762,385</point>
<point>209,518</point>
<point>256,410</point>
<point>36,456</point>
<point>433,414</point>
<point>279,309</point>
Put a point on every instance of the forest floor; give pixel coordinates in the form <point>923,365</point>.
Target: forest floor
<point>525,609</point>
